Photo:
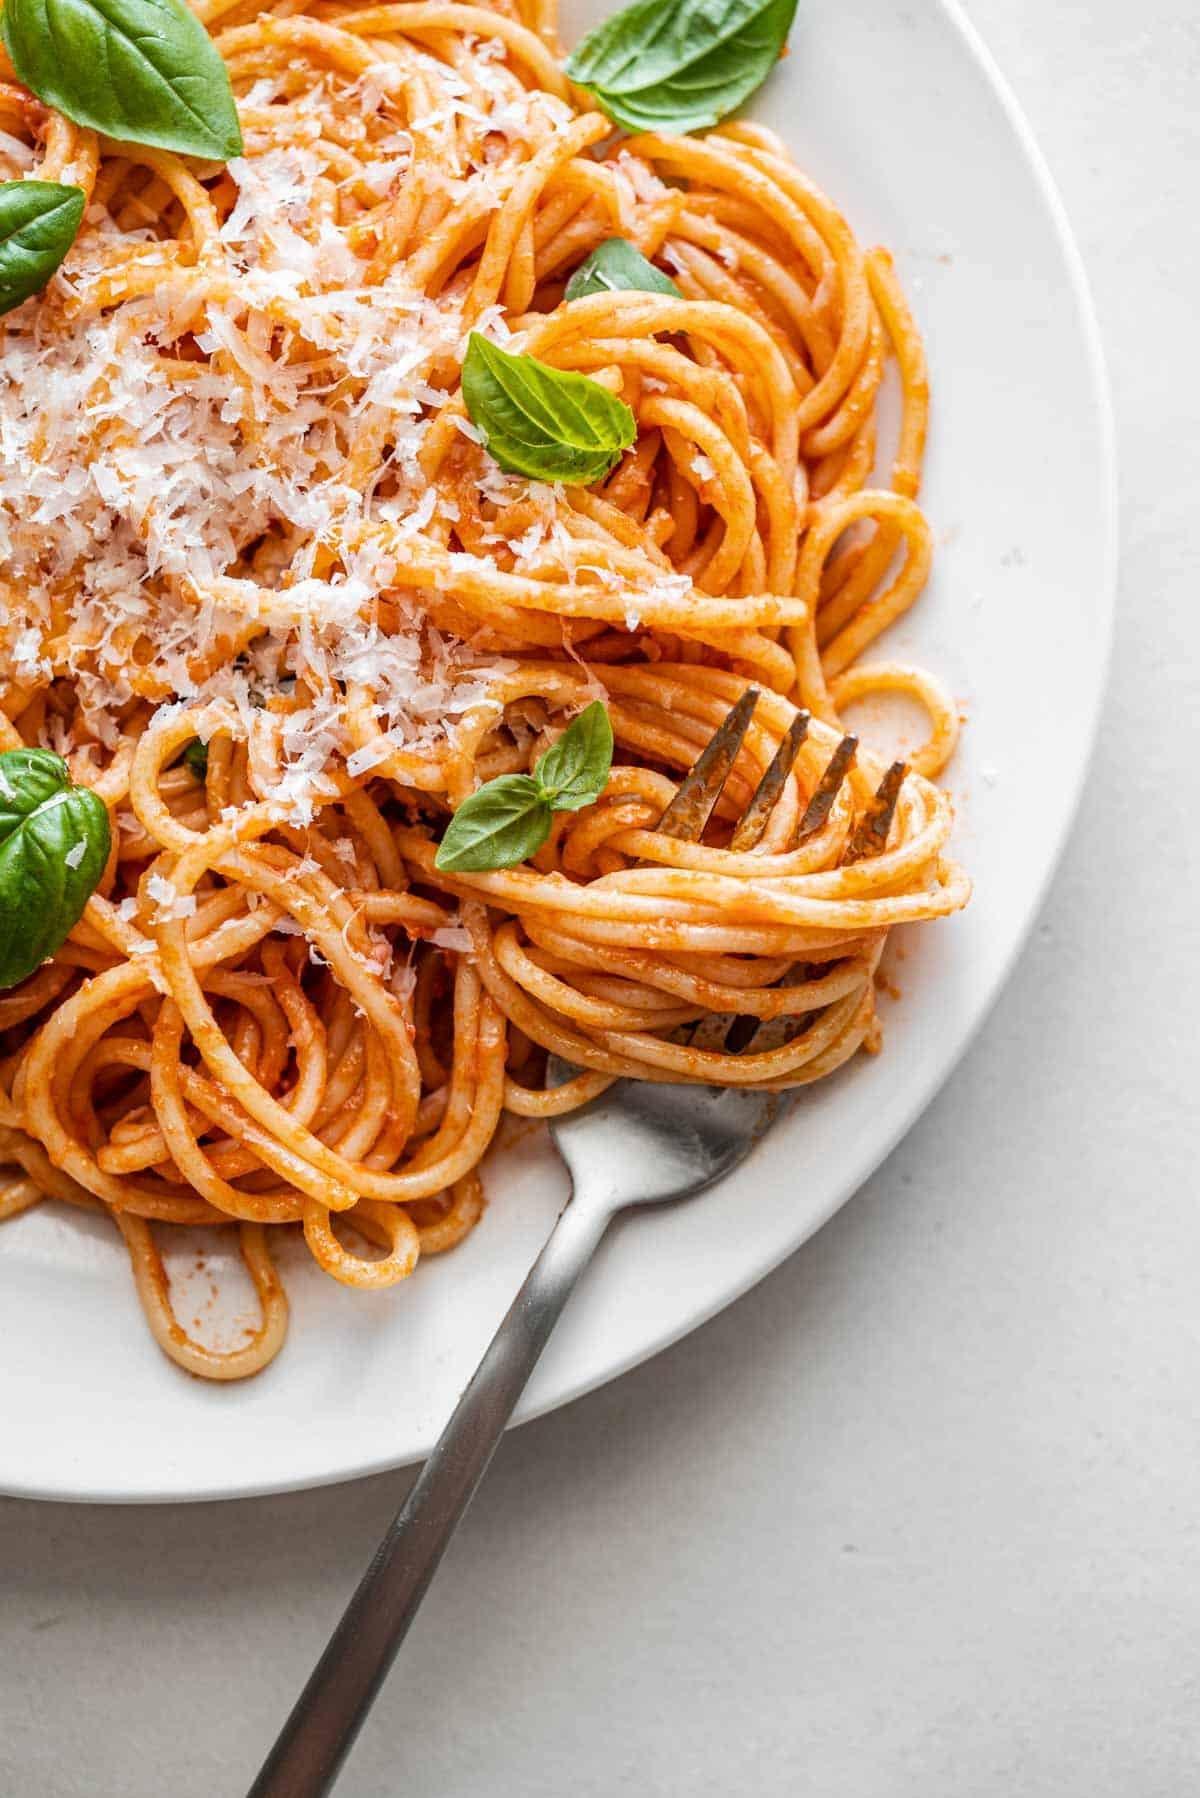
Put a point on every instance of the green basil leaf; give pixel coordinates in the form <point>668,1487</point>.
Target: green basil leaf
<point>195,757</point>
<point>547,423</point>
<point>54,842</point>
<point>142,70</point>
<point>573,772</point>
<point>614,266</point>
<point>508,819</point>
<point>497,827</point>
<point>681,65</point>
<point>38,222</point>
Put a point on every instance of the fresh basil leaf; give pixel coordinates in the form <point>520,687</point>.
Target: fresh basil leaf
<point>195,757</point>
<point>54,842</point>
<point>547,423</point>
<point>497,827</point>
<point>38,222</point>
<point>681,65</point>
<point>508,819</point>
<point>615,266</point>
<point>142,70</point>
<point>573,771</point>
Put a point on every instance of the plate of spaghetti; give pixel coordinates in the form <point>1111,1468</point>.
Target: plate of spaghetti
<point>419,424</point>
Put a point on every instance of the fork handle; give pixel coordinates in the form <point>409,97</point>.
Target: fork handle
<point>325,1719</point>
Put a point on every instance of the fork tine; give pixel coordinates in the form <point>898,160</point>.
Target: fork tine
<point>742,1033</point>
<point>771,1033</point>
<point>699,790</point>
<point>828,788</point>
<point>711,1031</point>
<point>754,819</point>
<point>758,1036</point>
<point>871,834</point>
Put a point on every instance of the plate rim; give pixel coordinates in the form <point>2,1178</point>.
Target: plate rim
<point>857,1170</point>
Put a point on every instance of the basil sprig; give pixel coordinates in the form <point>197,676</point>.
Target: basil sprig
<point>681,65</point>
<point>38,222</point>
<point>547,423</point>
<point>508,819</point>
<point>142,70</point>
<point>615,266</point>
<point>54,842</point>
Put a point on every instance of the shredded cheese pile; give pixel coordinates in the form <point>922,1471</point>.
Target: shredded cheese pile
<point>210,431</point>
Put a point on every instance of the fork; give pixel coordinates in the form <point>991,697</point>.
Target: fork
<point>639,1143</point>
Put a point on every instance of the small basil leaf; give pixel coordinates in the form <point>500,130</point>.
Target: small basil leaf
<point>497,827</point>
<point>54,842</point>
<point>547,423</point>
<point>573,771</point>
<point>681,65</point>
<point>614,266</point>
<point>195,757</point>
<point>38,222</point>
<point>142,70</point>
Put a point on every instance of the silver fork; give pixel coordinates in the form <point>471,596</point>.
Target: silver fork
<point>637,1144</point>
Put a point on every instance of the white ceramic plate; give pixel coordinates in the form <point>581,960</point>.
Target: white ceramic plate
<point>898,112</point>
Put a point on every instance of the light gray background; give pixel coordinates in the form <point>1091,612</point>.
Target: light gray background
<point>918,1518</point>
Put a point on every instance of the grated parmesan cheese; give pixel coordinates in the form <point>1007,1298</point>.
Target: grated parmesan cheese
<point>168,902</point>
<point>162,504</point>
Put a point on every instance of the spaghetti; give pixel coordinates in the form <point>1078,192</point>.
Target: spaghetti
<point>242,503</point>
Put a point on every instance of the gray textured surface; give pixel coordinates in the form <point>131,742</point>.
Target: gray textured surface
<point>919,1516</point>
